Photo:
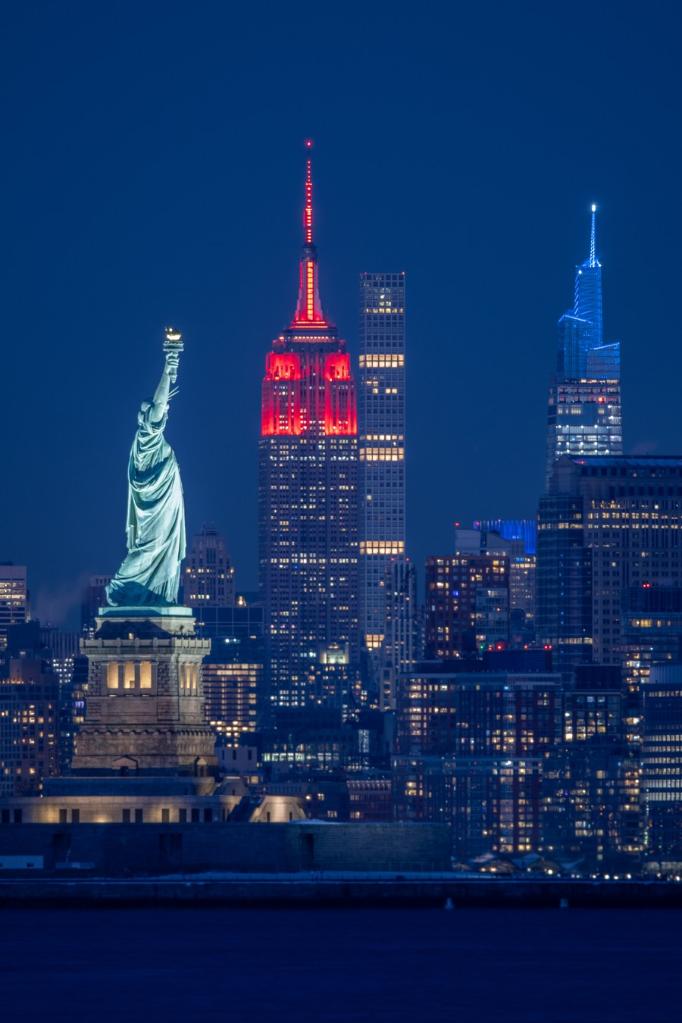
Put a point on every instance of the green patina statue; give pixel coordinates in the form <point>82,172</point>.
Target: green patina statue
<point>150,573</point>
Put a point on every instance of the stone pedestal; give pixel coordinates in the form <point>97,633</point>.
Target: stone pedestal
<point>145,711</point>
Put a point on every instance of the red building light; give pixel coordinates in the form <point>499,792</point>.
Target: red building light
<point>337,366</point>
<point>340,415</point>
<point>283,366</point>
<point>281,399</point>
<point>311,388</point>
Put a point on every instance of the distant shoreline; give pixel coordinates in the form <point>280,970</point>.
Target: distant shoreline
<point>347,890</point>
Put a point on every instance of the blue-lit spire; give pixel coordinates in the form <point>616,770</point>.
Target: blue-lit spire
<point>593,238</point>
<point>587,304</point>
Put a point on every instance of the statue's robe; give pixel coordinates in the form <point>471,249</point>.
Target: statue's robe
<point>150,573</point>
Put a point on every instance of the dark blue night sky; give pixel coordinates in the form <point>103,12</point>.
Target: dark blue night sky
<point>152,173</point>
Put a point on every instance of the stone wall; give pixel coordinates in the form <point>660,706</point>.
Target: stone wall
<point>120,849</point>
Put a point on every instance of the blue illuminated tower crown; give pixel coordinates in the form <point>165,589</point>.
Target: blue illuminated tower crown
<point>584,414</point>
<point>587,302</point>
<point>582,351</point>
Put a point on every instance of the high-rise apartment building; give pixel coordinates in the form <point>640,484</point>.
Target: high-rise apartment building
<point>61,650</point>
<point>232,678</point>
<point>607,526</point>
<point>517,538</point>
<point>399,648</point>
<point>308,492</point>
<point>652,635</point>
<point>584,409</point>
<point>29,726</point>
<point>381,447</point>
<point>471,748</point>
<point>13,598</point>
<point>467,603</point>
<point>208,576</point>
<point>591,780</point>
<point>662,762</point>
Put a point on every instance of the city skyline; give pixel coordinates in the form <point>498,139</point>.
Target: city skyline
<point>341,541</point>
<point>492,233</point>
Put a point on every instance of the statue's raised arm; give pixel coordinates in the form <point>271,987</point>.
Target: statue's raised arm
<point>155,527</point>
<point>163,393</point>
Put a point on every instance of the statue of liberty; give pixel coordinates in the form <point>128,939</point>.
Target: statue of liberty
<point>155,527</point>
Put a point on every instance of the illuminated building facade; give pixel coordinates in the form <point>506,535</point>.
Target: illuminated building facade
<point>241,621</point>
<point>234,674</point>
<point>471,748</point>
<point>13,598</point>
<point>232,681</point>
<point>61,650</point>
<point>308,491</point>
<point>517,538</point>
<point>208,576</point>
<point>400,645</point>
<point>592,791</point>
<point>652,634</point>
<point>467,603</point>
<point>381,447</point>
<point>29,727</point>
<point>607,526</point>
<point>370,798</point>
<point>584,408</point>
<point>661,760</point>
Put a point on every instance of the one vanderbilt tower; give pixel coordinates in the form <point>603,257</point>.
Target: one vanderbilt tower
<point>308,491</point>
<point>584,408</point>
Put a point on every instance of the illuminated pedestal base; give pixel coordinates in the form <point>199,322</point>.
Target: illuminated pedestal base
<point>145,711</point>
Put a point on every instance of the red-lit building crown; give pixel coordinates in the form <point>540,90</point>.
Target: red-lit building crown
<point>308,385</point>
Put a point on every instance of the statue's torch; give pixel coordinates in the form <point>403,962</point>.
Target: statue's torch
<point>172,342</point>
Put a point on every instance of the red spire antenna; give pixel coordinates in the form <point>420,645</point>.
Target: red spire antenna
<point>308,308</point>
<point>308,209</point>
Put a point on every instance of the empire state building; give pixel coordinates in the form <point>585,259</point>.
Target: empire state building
<point>308,493</point>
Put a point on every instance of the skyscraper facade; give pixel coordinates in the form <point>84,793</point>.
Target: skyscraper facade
<point>399,648</point>
<point>29,724</point>
<point>13,598</point>
<point>608,526</point>
<point>467,604</point>
<point>232,678</point>
<point>381,416</point>
<point>662,761</point>
<point>517,538</point>
<point>208,576</point>
<point>584,408</point>
<point>471,749</point>
<point>308,491</point>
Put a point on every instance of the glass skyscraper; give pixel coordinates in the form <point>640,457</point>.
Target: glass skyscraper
<point>381,416</point>
<point>584,408</point>
<point>607,527</point>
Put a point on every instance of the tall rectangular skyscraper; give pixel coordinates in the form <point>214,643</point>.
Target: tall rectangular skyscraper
<point>208,575</point>
<point>608,528</point>
<point>381,416</point>
<point>308,502</point>
<point>13,598</point>
<point>584,408</point>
